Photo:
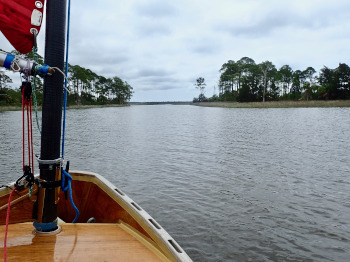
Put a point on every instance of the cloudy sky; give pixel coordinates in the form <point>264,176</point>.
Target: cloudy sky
<point>160,47</point>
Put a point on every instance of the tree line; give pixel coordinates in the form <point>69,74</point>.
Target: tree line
<point>246,81</point>
<point>85,87</point>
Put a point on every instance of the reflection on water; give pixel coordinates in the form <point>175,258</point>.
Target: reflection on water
<point>228,184</point>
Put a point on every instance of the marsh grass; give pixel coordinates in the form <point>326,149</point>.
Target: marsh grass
<point>278,104</point>
<point>270,104</point>
<point>17,108</point>
<point>10,108</point>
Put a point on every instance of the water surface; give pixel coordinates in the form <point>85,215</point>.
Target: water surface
<point>228,184</point>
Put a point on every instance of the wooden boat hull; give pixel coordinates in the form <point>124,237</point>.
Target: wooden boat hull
<point>121,229</point>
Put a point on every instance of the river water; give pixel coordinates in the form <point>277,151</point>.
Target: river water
<point>227,184</point>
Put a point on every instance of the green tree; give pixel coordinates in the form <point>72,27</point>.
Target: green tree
<point>85,86</point>
<point>97,89</point>
<point>308,73</point>
<point>343,78</point>
<point>200,84</point>
<point>230,81</point>
<point>4,80</point>
<point>230,76</point>
<point>298,79</point>
<point>244,94</point>
<point>268,70</point>
<point>100,89</point>
<point>121,90</point>
<point>286,77</point>
<point>327,79</point>
<point>335,83</point>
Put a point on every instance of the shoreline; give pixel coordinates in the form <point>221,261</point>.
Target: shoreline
<point>268,104</point>
<point>277,104</point>
<point>19,108</point>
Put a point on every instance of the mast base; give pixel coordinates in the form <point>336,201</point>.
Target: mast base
<point>48,233</point>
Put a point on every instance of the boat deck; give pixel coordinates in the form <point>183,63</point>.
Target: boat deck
<point>78,242</point>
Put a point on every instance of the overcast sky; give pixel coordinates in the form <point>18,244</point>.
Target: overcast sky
<point>160,47</point>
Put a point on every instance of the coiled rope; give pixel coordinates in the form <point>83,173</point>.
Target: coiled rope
<point>66,175</point>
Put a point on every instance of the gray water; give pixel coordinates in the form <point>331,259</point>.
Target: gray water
<point>227,184</point>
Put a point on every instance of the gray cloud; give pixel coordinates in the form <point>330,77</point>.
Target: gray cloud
<point>151,73</point>
<point>159,87</point>
<point>205,46</point>
<point>156,9</point>
<point>152,30</point>
<point>271,22</point>
<point>161,46</point>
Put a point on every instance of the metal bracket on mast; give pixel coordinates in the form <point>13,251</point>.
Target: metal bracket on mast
<point>58,161</point>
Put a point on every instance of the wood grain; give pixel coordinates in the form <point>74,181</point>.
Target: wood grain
<point>76,242</point>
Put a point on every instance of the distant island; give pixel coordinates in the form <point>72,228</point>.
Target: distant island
<point>268,104</point>
<point>278,104</point>
<point>246,81</point>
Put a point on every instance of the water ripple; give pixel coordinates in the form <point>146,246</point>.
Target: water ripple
<point>228,184</point>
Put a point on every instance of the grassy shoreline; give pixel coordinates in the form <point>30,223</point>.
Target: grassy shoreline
<point>278,104</point>
<point>18,108</point>
<point>270,104</point>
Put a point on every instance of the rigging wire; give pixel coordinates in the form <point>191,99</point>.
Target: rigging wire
<point>35,55</point>
<point>65,174</point>
<point>66,80</point>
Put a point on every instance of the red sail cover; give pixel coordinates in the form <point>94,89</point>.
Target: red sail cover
<point>17,19</point>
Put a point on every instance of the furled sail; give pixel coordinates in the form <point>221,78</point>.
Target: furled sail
<point>19,21</point>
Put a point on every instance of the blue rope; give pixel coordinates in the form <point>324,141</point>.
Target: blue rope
<point>45,226</point>
<point>66,175</point>
<point>65,82</point>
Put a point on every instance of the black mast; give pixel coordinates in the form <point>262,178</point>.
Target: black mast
<point>52,113</point>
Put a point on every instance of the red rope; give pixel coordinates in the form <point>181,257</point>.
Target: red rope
<point>7,224</point>
<point>23,127</point>
<point>31,134</point>
<point>27,106</point>
<point>28,133</point>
